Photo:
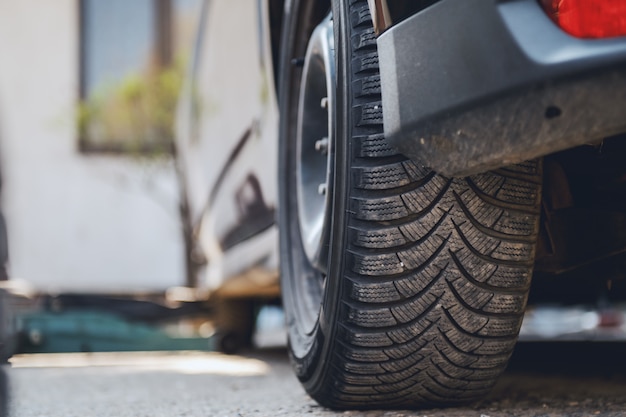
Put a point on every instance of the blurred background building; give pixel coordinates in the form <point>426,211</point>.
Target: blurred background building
<point>92,207</point>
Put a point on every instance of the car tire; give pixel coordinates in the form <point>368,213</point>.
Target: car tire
<point>4,393</point>
<point>419,293</point>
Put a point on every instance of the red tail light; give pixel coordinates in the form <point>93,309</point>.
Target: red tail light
<point>588,18</point>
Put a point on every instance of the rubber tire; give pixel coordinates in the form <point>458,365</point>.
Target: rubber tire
<point>4,393</point>
<point>428,276</point>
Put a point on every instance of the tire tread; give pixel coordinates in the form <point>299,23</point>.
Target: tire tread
<point>438,269</point>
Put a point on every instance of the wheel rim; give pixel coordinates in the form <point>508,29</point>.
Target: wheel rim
<point>315,144</point>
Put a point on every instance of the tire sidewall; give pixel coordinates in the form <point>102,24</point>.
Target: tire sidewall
<point>309,352</point>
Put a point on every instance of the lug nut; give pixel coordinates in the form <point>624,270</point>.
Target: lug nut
<point>322,145</point>
<point>321,189</point>
<point>298,62</point>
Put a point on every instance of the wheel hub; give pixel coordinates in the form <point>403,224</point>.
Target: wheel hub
<point>315,144</point>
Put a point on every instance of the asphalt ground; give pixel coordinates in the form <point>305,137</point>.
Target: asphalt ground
<point>556,379</point>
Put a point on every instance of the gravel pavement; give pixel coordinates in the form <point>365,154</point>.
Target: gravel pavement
<point>543,380</point>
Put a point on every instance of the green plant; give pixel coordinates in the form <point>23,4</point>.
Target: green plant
<point>134,115</point>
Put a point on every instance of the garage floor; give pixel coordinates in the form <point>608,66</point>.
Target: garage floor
<point>543,380</point>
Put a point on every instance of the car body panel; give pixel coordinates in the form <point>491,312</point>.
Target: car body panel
<point>226,140</point>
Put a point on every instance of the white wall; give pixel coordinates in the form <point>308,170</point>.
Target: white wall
<point>76,222</point>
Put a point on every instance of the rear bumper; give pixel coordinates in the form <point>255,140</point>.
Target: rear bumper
<point>473,85</point>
